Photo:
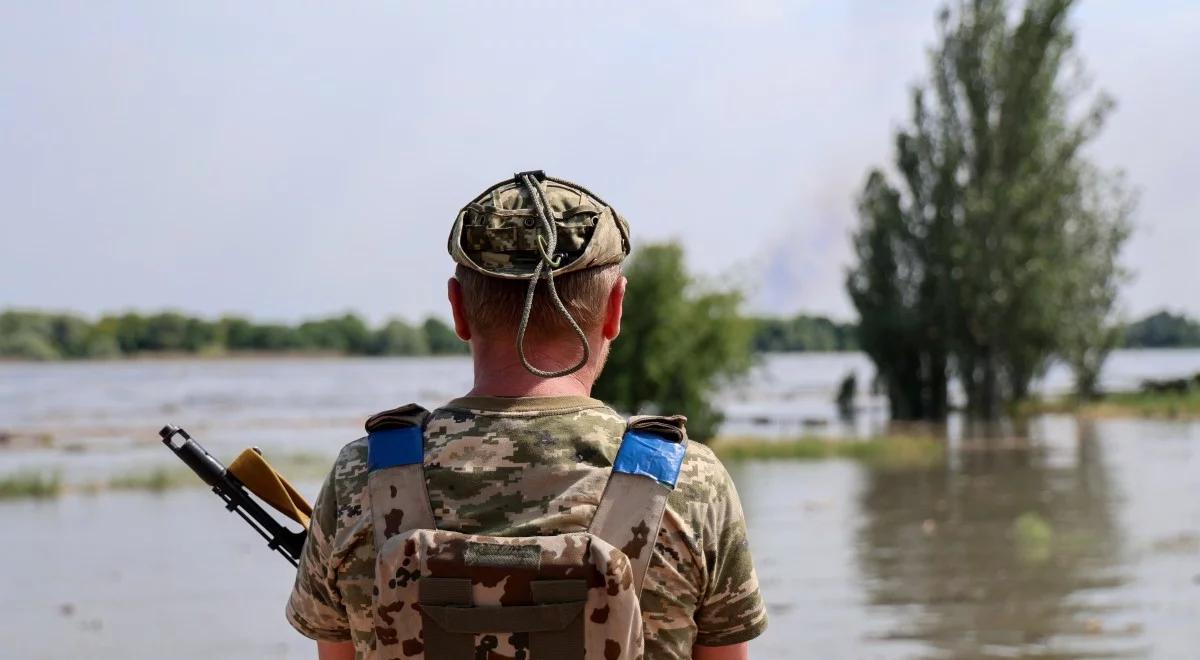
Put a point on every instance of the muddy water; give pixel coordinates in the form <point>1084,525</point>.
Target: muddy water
<point>1083,542</point>
<point>1087,545</point>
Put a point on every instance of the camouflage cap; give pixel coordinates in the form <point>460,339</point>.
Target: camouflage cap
<point>534,227</point>
<point>500,233</point>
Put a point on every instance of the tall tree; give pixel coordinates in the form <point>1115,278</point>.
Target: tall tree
<point>998,249</point>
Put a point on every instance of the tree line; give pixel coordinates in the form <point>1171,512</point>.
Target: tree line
<point>37,335</point>
<point>1163,330</point>
<point>804,332</point>
<point>52,336</point>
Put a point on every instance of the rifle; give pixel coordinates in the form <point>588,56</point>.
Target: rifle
<point>230,484</point>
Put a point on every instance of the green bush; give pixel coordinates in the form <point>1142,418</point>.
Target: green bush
<point>679,342</point>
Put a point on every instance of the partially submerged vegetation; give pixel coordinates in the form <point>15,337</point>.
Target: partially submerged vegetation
<point>155,479</point>
<point>301,466</point>
<point>1173,398</point>
<point>884,451</point>
<point>30,484</point>
<point>44,483</point>
<point>1169,405</point>
<point>881,451</point>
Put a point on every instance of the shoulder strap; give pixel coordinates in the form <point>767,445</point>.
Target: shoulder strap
<point>396,489</point>
<point>643,475</point>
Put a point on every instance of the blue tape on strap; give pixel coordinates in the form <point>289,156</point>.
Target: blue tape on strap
<point>402,446</point>
<point>650,455</point>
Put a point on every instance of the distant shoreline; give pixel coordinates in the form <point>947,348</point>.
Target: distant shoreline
<point>268,356</point>
<point>237,356</point>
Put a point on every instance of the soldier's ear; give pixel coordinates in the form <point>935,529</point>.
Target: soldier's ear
<point>612,315</point>
<point>458,309</point>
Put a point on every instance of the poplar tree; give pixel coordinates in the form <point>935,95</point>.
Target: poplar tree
<point>993,247</point>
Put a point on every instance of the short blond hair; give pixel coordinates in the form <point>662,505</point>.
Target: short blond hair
<point>493,305</point>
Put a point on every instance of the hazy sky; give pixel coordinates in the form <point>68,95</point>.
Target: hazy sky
<point>286,160</point>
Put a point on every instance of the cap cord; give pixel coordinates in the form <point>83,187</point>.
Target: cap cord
<point>546,245</point>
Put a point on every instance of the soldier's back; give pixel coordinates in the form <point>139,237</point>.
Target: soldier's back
<point>538,466</point>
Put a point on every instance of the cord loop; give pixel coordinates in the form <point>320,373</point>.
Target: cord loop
<point>546,245</point>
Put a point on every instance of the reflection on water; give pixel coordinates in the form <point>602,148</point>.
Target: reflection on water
<point>1061,540</point>
<point>1001,556</point>
<point>1082,543</point>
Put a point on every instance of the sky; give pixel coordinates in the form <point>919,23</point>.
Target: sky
<point>289,160</point>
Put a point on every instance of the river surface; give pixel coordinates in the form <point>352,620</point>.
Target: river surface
<point>1082,541</point>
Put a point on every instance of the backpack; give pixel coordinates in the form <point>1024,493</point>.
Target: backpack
<point>443,595</point>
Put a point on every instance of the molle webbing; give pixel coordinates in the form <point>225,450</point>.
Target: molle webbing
<point>554,622</point>
<point>644,474</point>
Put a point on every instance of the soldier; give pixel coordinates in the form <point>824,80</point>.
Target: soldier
<point>400,566</point>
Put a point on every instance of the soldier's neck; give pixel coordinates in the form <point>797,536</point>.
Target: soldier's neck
<point>486,385</point>
<point>498,372</point>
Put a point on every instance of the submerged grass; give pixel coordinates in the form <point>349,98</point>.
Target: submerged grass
<point>30,484</point>
<point>156,479</point>
<point>883,451</point>
<point>1170,405</point>
<point>299,466</point>
<point>295,467</point>
<point>1158,404</point>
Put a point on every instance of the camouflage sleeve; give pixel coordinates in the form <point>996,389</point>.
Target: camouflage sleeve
<point>315,607</point>
<point>732,610</point>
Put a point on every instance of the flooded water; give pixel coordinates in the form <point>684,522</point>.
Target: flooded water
<point>1087,547</point>
<point>1083,542</point>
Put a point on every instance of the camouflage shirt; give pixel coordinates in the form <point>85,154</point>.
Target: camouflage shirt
<point>538,466</point>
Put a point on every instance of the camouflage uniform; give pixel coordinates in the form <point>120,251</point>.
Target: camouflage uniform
<point>521,467</point>
<point>537,466</point>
